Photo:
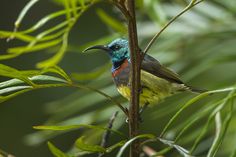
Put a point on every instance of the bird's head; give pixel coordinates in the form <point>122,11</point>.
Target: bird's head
<point>118,50</point>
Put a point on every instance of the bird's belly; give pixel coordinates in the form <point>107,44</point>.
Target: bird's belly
<point>154,89</point>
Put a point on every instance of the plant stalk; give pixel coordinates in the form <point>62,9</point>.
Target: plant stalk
<point>135,79</point>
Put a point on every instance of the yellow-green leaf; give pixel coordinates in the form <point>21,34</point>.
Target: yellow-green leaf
<point>55,151</point>
<point>80,144</point>
<point>113,23</point>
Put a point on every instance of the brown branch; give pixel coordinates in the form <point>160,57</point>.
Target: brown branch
<point>135,78</point>
<point>127,7</point>
<point>106,135</point>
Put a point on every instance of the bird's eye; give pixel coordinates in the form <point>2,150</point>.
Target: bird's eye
<point>115,47</point>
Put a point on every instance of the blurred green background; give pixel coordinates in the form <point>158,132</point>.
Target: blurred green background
<point>200,46</point>
<point>21,113</point>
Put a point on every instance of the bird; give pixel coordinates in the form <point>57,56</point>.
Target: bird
<point>157,81</point>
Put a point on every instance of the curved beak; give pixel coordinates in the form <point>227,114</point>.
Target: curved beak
<point>101,47</point>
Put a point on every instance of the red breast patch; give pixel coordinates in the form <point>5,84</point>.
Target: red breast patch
<point>123,66</point>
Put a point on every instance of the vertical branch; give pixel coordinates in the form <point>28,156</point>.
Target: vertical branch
<point>127,7</point>
<point>135,78</point>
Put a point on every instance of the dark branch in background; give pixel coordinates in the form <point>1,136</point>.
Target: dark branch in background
<point>106,135</point>
<point>191,4</point>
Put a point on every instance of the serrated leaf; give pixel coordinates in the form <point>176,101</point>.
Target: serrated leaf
<point>80,144</point>
<point>55,151</point>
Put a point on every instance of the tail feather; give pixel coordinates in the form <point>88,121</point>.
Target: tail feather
<point>196,90</point>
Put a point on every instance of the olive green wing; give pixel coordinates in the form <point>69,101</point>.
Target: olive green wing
<point>154,67</point>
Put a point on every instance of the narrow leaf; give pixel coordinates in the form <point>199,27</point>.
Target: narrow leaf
<point>56,58</point>
<point>113,23</point>
<point>23,49</point>
<point>80,144</point>
<point>57,70</point>
<point>72,127</point>
<point>122,149</point>
<point>14,73</point>
<point>24,11</point>
<point>23,37</point>
<point>55,151</point>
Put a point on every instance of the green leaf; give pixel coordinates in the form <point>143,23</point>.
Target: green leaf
<point>55,151</point>
<point>221,128</point>
<point>192,101</point>
<point>80,144</point>
<point>24,11</point>
<point>72,127</point>
<point>56,58</point>
<point>14,85</point>
<point>23,49</point>
<point>13,89</point>
<point>47,18</point>
<point>23,37</point>
<point>110,21</point>
<point>8,56</point>
<point>14,73</point>
<point>119,144</point>
<point>221,105</point>
<point>5,98</point>
<point>122,149</point>
<point>39,78</point>
<point>57,70</point>
<point>180,149</point>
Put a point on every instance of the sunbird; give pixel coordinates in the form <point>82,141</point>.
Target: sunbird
<point>157,81</point>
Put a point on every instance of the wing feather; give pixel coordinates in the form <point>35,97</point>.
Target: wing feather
<point>154,67</point>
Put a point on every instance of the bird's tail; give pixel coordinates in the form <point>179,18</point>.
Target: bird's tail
<point>196,90</point>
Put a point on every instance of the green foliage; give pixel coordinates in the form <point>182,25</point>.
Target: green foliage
<point>200,45</point>
<point>55,151</point>
<point>80,144</point>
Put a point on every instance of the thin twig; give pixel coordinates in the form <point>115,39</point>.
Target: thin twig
<point>191,4</point>
<point>106,135</point>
